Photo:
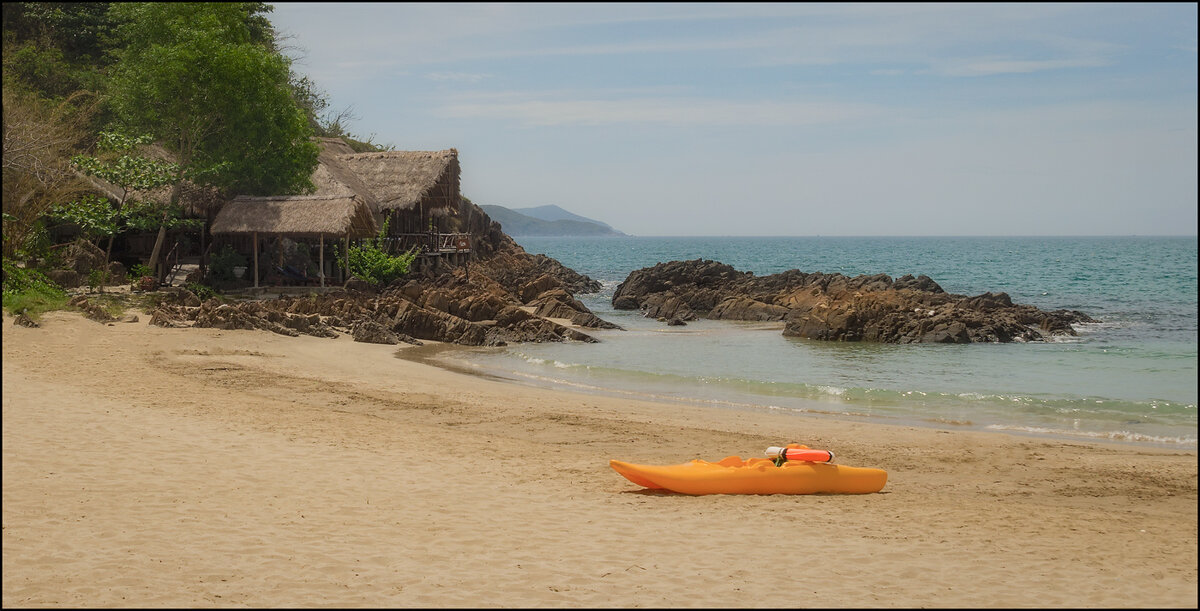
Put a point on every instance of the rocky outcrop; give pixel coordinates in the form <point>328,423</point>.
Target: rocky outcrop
<point>447,308</point>
<point>90,310</point>
<point>834,307</point>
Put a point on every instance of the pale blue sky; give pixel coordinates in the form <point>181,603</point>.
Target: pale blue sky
<point>785,119</point>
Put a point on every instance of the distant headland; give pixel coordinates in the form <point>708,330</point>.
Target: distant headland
<point>547,221</point>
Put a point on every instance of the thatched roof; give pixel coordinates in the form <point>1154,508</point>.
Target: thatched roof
<point>332,177</point>
<point>297,215</point>
<point>400,179</point>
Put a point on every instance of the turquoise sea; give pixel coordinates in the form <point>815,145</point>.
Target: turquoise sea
<point>1130,378</point>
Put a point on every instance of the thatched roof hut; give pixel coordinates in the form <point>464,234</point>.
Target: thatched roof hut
<point>402,180</point>
<point>297,216</point>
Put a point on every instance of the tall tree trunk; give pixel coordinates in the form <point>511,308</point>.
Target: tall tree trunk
<point>160,271</point>
<point>156,265</point>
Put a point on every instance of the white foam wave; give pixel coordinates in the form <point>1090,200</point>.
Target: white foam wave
<point>832,390</point>
<point>1109,435</point>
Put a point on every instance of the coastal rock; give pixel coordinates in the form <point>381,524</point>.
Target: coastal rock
<point>835,307</point>
<point>66,278</point>
<point>745,308</point>
<point>371,332</point>
<point>181,296</point>
<point>24,320</point>
<point>532,290</point>
<point>164,316</point>
<point>90,310</point>
<point>82,256</point>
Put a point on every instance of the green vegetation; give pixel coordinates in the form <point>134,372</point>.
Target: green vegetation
<point>127,171</point>
<point>203,291</point>
<point>90,86</point>
<point>205,81</point>
<point>221,265</point>
<point>370,261</point>
<point>29,291</point>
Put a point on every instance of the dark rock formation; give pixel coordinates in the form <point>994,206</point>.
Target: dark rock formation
<point>872,308</point>
<point>372,332</point>
<point>90,310</point>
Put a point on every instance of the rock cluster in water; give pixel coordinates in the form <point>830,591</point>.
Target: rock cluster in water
<point>835,307</point>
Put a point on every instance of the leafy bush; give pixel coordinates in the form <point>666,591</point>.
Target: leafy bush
<point>29,291</point>
<point>221,265</point>
<point>97,278</point>
<point>140,270</point>
<point>204,292</point>
<point>371,262</point>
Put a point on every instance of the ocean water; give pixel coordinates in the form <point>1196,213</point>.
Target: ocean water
<point>1130,378</point>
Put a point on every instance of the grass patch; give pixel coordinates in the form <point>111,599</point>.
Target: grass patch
<point>29,291</point>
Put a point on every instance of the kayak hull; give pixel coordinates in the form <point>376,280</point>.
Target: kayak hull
<point>733,475</point>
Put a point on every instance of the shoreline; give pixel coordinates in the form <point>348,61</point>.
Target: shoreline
<point>199,467</point>
<point>434,356</point>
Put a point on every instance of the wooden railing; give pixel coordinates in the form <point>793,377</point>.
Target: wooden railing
<point>428,243</point>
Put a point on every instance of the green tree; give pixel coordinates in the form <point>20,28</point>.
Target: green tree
<point>126,170</point>
<point>206,80</point>
<point>55,48</point>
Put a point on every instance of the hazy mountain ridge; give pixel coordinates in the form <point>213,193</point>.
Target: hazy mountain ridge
<point>547,220</point>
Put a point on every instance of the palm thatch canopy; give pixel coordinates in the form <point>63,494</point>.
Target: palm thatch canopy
<point>400,180</point>
<point>297,216</point>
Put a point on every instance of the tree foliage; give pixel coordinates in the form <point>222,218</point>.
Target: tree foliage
<point>204,79</point>
<point>38,141</point>
<point>55,48</point>
<point>124,168</point>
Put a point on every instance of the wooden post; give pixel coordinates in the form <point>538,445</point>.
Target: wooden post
<point>321,269</point>
<point>201,267</point>
<point>255,259</point>
<point>346,269</point>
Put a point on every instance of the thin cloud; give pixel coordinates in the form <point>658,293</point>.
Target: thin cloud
<point>661,111</point>
<point>460,77</point>
<point>994,66</point>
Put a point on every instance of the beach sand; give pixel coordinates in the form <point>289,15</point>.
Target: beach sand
<point>152,467</point>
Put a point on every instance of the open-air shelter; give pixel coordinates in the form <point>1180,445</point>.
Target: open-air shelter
<point>341,216</point>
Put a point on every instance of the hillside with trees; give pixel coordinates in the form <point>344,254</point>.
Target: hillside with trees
<point>175,97</point>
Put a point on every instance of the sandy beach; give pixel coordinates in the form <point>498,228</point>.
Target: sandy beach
<point>153,467</point>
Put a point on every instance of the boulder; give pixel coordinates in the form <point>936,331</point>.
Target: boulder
<point>371,332</point>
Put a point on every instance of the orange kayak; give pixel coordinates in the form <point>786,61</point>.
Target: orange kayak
<point>732,475</point>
